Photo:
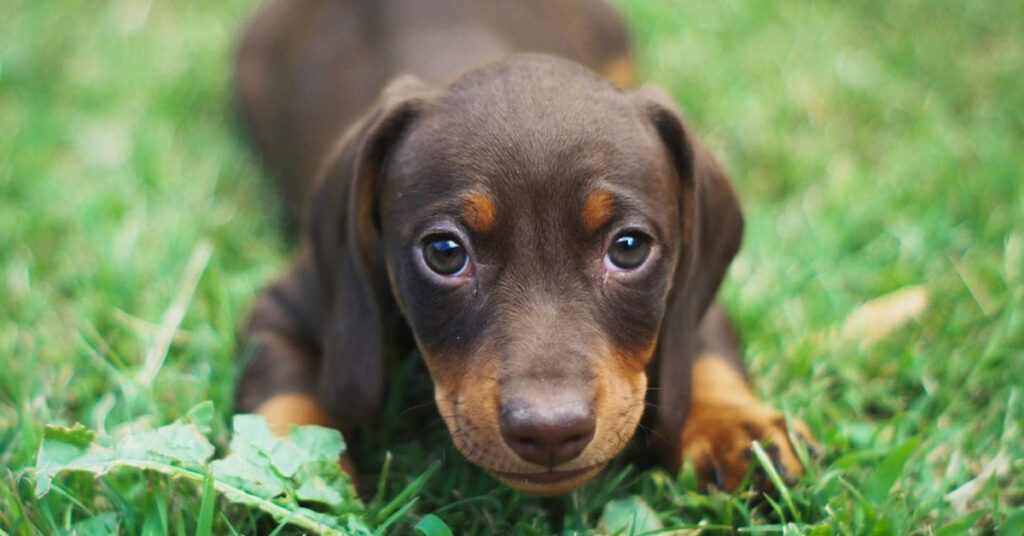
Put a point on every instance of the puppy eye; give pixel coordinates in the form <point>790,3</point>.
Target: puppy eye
<point>628,251</point>
<point>445,255</point>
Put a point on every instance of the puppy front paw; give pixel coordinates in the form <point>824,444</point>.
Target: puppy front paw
<point>718,439</point>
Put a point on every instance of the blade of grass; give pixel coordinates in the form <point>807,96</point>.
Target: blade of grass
<point>395,517</point>
<point>773,475</point>
<point>410,490</point>
<point>960,526</point>
<point>161,508</point>
<point>229,525</point>
<point>174,314</point>
<point>431,525</point>
<point>378,497</point>
<point>204,525</point>
<point>1013,525</point>
<point>889,472</point>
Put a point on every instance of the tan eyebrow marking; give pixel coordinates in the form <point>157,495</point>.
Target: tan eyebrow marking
<point>597,209</point>
<point>620,71</point>
<point>479,212</point>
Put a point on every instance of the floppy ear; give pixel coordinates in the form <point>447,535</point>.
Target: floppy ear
<point>711,230</point>
<point>358,315</point>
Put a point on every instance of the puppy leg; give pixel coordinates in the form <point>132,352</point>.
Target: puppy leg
<point>279,378</point>
<point>725,416</point>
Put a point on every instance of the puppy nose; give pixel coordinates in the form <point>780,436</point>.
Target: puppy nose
<point>547,431</point>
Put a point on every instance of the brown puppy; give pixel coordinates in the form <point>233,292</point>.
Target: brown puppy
<point>551,243</point>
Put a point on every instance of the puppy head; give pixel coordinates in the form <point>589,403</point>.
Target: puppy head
<point>535,225</point>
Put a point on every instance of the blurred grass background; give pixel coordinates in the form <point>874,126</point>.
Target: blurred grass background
<point>876,146</point>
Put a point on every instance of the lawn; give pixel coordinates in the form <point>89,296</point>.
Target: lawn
<point>878,148</point>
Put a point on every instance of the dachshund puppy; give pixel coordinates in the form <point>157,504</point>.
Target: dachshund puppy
<point>551,242</point>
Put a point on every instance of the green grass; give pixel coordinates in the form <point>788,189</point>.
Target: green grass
<point>876,146</point>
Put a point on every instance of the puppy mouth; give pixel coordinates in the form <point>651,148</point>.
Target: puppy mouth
<point>548,482</point>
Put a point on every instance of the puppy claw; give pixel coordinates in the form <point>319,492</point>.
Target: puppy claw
<point>813,450</point>
<point>715,475</point>
<point>804,436</point>
<point>780,468</point>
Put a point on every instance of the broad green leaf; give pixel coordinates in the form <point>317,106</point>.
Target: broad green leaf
<point>68,449</point>
<point>317,443</point>
<point>202,415</point>
<point>250,473</point>
<point>318,490</point>
<point>254,474</point>
<point>179,443</point>
<point>304,444</point>
<point>631,515</point>
<point>252,436</point>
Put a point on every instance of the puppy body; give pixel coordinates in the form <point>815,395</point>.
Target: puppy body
<point>550,242</point>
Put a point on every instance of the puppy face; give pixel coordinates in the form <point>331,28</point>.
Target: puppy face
<point>530,220</point>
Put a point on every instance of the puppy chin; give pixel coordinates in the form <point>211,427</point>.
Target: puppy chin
<point>544,484</point>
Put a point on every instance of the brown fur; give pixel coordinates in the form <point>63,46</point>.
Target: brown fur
<point>543,357</point>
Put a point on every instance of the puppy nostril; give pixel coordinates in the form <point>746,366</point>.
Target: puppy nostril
<point>545,433</point>
<point>525,442</point>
